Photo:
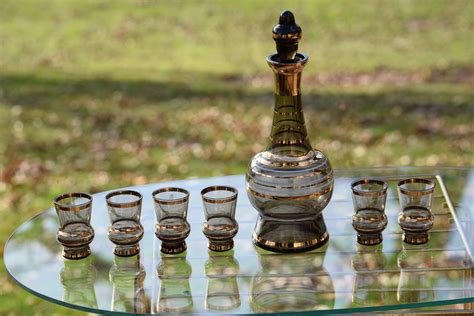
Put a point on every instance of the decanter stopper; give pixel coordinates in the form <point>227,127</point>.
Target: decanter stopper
<point>286,34</point>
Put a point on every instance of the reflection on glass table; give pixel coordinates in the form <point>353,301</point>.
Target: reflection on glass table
<point>341,277</point>
<point>370,285</point>
<point>175,290</point>
<point>78,278</point>
<point>127,276</point>
<point>222,292</point>
<point>292,282</point>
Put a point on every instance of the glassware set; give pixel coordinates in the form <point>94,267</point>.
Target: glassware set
<point>415,219</point>
<point>289,184</point>
<point>125,230</point>
<point>172,228</point>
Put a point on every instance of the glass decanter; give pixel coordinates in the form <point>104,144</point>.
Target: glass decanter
<point>289,183</point>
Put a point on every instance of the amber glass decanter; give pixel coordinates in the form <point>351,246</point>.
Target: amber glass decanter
<point>289,183</point>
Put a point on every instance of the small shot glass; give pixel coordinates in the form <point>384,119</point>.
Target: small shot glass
<point>369,220</point>
<point>75,232</point>
<point>220,226</point>
<point>125,231</point>
<point>416,219</point>
<point>172,227</point>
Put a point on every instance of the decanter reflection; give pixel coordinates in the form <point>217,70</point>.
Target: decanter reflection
<point>415,283</point>
<point>294,282</point>
<point>175,291</point>
<point>290,183</point>
<point>372,288</point>
<point>78,278</point>
<point>127,276</point>
<point>222,292</point>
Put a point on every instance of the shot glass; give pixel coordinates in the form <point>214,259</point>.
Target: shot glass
<point>415,219</point>
<point>172,228</point>
<point>125,231</point>
<point>369,220</point>
<point>219,208</point>
<point>75,232</point>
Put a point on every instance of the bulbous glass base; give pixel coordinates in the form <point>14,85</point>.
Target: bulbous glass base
<point>127,250</point>
<point>289,194</point>
<point>173,248</point>
<point>290,236</point>
<point>76,252</point>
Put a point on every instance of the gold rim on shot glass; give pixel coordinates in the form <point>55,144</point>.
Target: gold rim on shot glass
<point>417,192</point>
<point>416,218</point>
<point>75,232</point>
<point>220,225</point>
<point>217,200</point>
<point>381,191</point>
<point>180,200</point>
<point>125,229</point>
<point>73,208</point>
<point>369,197</point>
<point>171,228</point>
<point>124,204</point>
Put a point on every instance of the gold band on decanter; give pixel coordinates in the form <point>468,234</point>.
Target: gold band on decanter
<point>291,198</point>
<point>290,246</point>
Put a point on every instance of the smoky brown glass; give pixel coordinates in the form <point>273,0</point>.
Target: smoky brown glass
<point>75,232</point>
<point>416,219</point>
<point>290,182</point>
<point>369,197</point>
<point>172,227</point>
<point>125,231</point>
<point>220,226</point>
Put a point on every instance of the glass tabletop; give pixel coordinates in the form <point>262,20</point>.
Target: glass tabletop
<point>340,277</point>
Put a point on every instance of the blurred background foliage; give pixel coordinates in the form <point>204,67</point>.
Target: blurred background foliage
<point>95,95</point>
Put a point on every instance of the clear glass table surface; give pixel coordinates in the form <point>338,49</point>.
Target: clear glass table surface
<point>340,277</point>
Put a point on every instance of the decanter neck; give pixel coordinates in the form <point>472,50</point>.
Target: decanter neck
<point>289,136</point>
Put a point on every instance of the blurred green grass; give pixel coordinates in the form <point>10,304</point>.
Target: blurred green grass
<point>96,95</point>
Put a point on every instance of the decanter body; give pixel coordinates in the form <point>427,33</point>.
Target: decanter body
<point>289,183</point>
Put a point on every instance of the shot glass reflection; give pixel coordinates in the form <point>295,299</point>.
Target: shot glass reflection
<point>175,295</point>
<point>222,293</point>
<point>78,278</point>
<point>372,288</point>
<point>415,284</point>
<point>127,275</point>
